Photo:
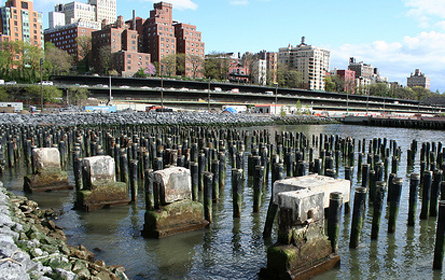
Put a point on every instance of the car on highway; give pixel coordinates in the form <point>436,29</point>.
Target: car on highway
<point>124,87</point>
<point>145,87</point>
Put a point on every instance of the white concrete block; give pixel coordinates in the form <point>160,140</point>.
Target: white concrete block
<point>46,158</point>
<point>316,183</point>
<point>101,168</point>
<point>302,202</point>
<point>175,184</point>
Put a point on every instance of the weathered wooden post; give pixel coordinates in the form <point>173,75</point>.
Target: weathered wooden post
<point>440,238</point>
<point>148,186</point>
<point>357,216</point>
<point>195,180</point>
<point>413,193</point>
<point>435,189</point>
<point>257,187</point>
<point>134,180</point>
<point>378,207</point>
<point>215,184</point>
<point>237,191</point>
<point>208,182</point>
<point>426,194</point>
<point>335,204</point>
<point>394,203</point>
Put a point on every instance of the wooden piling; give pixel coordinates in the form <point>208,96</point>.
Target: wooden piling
<point>426,194</point>
<point>394,203</point>
<point>435,189</point>
<point>413,194</point>
<point>357,216</point>
<point>134,180</point>
<point>208,181</point>
<point>258,180</point>
<point>335,205</point>
<point>148,187</point>
<point>440,238</point>
<point>378,207</point>
<point>237,191</point>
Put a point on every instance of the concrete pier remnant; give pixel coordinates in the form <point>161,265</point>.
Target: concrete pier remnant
<point>47,174</point>
<point>302,249</point>
<point>100,188</point>
<point>175,212</point>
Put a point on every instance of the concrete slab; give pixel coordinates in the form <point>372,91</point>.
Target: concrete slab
<point>302,202</point>
<point>46,158</point>
<point>175,184</point>
<point>315,183</point>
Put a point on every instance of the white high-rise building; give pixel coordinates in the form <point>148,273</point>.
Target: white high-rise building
<point>56,19</point>
<point>105,9</point>
<point>93,11</point>
<point>418,79</point>
<point>312,61</point>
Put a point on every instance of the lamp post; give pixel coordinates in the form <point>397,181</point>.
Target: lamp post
<point>276,97</point>
<point>347,102</point>
<point>41,85</point>
<point>110,97</point>
<point>162,91</point>
<point>208,97</point>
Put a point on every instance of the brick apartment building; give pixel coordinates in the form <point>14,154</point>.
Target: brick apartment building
<point>123,45</point>
<point>65,37</point>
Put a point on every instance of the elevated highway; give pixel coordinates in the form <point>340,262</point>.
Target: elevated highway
<point>193,95</point>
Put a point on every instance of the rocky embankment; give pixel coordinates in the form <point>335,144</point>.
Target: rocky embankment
<point>153,118</point>
<point>33,247</point>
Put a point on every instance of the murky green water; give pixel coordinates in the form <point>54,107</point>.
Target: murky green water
<point>234,248</point>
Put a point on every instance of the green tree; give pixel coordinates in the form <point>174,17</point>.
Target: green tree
<point>403,93</point>
<point>329,85</point>
<point>50,94</point>
<point>217,66</point>
<point>4,96</point>
<point>168,65</point>
<point>77,94</point>
<point>379,89</point>
<point>421,93</point>
<point>58,60</point>
<point>288,77</point>
<point>180,64</point>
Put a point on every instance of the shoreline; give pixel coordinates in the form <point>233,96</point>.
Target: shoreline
<point>154,119</point>
<point>33,247</point>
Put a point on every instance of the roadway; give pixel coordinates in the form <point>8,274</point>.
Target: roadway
<point>194,95</point>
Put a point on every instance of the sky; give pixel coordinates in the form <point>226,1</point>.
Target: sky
<point>395,36</point>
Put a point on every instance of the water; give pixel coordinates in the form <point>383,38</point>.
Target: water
<point>234,248</point>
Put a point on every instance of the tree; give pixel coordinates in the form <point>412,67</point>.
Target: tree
<point>180,64</point>
<point>421,93</point>
<point>196,63</point>
<point>329,85</point>
<point>4,96</point>
<point>77,94</point>
<point>217,66</point>
<point>59,60</point>
<point>379,89</point>
<point>150,70</point>
<point>50,94</point>
<point>250,60</point>
<point>84,47</point>
<point>168,65</point>
<point>104,59</point>
<point>288,77</point>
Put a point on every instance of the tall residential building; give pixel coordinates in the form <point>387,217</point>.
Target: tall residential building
<point>160,36</point>
<point>312,61</point>
<point>105,9</point>
<point>19,22</point>
<point>122,43</point>
<point>188,42</point>
<point>272,66</point>
<point>349,77</point>
<point>259,69</point>
<point>361,69</point>
<point>93,11</point>
<point>418,79</point>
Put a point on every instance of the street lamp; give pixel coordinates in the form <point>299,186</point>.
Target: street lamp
<point>208,97</point>
<point>276,97</point>
<point>41,86</point>
<point>162,91</point>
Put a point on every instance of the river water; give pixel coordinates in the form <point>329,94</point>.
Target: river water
<point>233,248</point>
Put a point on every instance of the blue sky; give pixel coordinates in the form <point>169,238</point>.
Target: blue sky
<point>396,36</point>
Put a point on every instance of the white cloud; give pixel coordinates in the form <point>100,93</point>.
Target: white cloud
<point>239,2</point>
<point>397,60</point>
<point>426,12</point>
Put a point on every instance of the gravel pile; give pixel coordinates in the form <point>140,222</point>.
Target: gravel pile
<point>33,247</point>
<point>154,118</point>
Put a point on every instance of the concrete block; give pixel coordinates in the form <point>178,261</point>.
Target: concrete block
<point>304,203</point>
<point>46,159</point>
<point>175,184</point>
<point>315,183</point>
<point>100,168</point>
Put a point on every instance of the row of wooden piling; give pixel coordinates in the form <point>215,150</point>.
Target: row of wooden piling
<point>138,151</point>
